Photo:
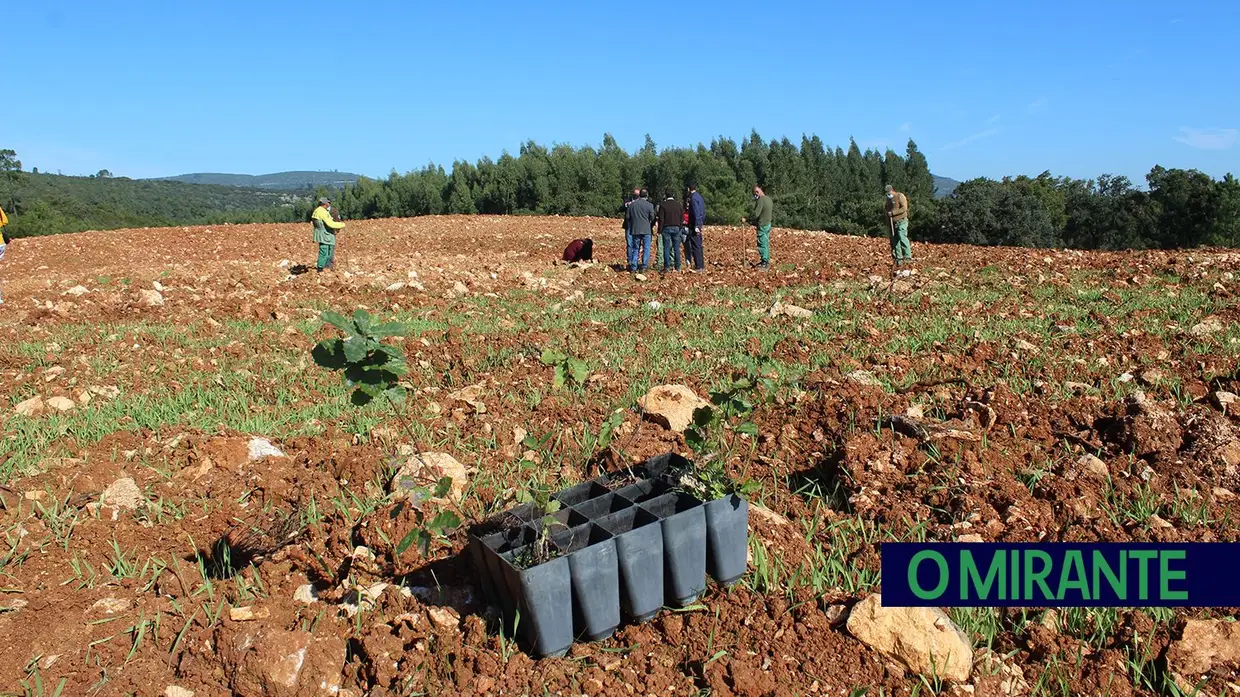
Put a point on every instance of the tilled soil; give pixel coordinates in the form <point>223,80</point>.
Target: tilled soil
<point>993,443</point>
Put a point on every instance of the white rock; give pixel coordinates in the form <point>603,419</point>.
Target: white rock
<point>31,407</point>
<point>174,691</point>
<point>864,378</point>
<point>1094,467</point>
<point>423,471</point>
<point>77,291</point>
<point>442,617</point>
<point>1206,328</point>
<point>460,288</point>
<point>306,594</point>
<point>111,606</point>
<point>247,614</point>
<point>150,298</point>
<point>923,639</point>
<point>671,406</point>
<point>262,448</point>
<point>61,403</point>
<point>123,493</point>
<point>395,287</point>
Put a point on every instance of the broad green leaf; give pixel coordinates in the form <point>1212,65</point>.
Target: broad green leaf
<point>749,487</point>
<point>395,395</point>
<point>695,439</point>
<point>560,376</point>
<point>524,496</point>
<point>442,487</point>
<point>355,349</point>
<point>387,329</point>
<point>552,357</point>
<point>748,428</point>
<point>338,321</point>
<point>329,354</point>
<point>552,506</point>
<point>415,535</point>
<point>580,370</point>
<point>702,416</point>
<point>444,522</point>
<point>360,398</point>
<point>361,320</point>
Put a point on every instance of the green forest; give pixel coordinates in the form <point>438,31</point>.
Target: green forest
<point>813,187</point>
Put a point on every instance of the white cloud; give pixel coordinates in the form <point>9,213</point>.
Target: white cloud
<point>1209,138</point>
<point>993,120</point>
<point>969,139</point>
<point>1038,104</point>
<point>906,127</point>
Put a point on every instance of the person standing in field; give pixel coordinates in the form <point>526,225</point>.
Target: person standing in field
<point>325,227</point>
<point>628,231</point>
<point>897,223</point>
<point>693,235</point>
<point>640,217</point>
<point>4,241</point>
<point>671,227</point>
<point>763,214</point>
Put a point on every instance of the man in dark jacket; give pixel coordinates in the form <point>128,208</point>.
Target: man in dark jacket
<point>628,233</point>
<point>671,227</point>
<point>697,220</point>
<point>639,217</point>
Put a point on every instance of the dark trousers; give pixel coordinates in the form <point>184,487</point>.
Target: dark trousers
<point>693,240</point>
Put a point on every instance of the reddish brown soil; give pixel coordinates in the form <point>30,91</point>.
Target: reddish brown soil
<point>161,632</point>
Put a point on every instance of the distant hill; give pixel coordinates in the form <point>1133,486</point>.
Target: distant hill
<point>278,181</point>
<point>944,186</point>
<point>51,203</point>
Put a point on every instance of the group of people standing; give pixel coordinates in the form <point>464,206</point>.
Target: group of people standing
<point>679,224</point>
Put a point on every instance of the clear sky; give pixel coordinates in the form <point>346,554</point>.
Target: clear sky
<point>149,89</point>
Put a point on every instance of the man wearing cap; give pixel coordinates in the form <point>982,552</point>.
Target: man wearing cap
<point>325,234</point>
<point>897,219</point>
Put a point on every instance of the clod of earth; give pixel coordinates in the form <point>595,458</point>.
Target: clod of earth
<point>123,493</point>
<point>1093,467</point>
<point>924,640</point>
<point>671,406</point>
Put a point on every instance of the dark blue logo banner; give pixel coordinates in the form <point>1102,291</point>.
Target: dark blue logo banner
<point>943,574</point>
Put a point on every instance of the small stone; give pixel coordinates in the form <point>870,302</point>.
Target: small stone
<point>123,493</point>
<point>1223,494</point>
<point>52,373</point>
<point>77,291</point>
<point>247,614</point>
<point>923,639</point>
<point>864,378</point>
<point>111,606</point>
<point>1078,387</point>
<point>915,411</point>
<point>1150,377</point>
<point>972,538</point>
<point>1026,347</point>
<point>639,277</point>
<point>174,691</point>
<point>1225,400</point>
<point>306,594</point>
<point>1158,522</point>
<point>460,288</point>
<point>150,298</point>
<point>424,470</point>
<point>443,617</point>
<point>1206,328</point>
<point>671,406</point>
<point>395,287</point>
<point>107,392</point>
<point>31,407</point>
<point>260,448</point>
<point>1094,467</point>
<point>1204,645</point>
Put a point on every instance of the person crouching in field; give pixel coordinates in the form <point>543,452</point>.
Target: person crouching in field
<point>325,228</point>
<point>579,250</point>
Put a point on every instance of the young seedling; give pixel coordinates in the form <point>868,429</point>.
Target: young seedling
<point>373,370</point>
<point>566,367</point>
<point>729,411</point>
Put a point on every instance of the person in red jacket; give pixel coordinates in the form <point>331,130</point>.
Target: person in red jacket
<point>579,250</point>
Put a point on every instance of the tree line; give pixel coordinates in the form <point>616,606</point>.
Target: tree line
<point>813,187</point>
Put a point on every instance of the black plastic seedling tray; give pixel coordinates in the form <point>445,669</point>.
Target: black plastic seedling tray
<point>624,544</point>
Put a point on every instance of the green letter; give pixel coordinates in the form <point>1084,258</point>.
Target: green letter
<point>1143,577</point>
<point>1166,574</point>
<point>1073,564</point>
<point>944,577</point>
<point>968,574</point>
<point>1038,577</point>
<point>1015,576</point>
<point>1102,568</point>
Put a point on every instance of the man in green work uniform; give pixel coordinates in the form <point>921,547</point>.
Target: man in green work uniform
<point>897,219</point>
<point>325,228</point>
<point>763,212</point>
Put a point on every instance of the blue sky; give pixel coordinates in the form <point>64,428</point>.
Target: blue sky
<point>985,88</point>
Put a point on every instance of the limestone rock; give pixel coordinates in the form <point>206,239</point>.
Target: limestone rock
<point>426,469</point>
<point>1205,645</point>
<point>279,663</point>
<point>61,403</point>
<point>123,493</point>
<point>472,396</point>
<point>923,639</point>
<point>1225,401</point>
<point>1093,467</point>
<point>1206,328</point>
<point>111,606</point>
<point>77,291</point>
<point>671,406</point>
<point>248,614</point>
<point>864,378</point>
<point>31,407</point>
<point>260,448</point>
<point>175,691</point>
<point>150,298</point>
